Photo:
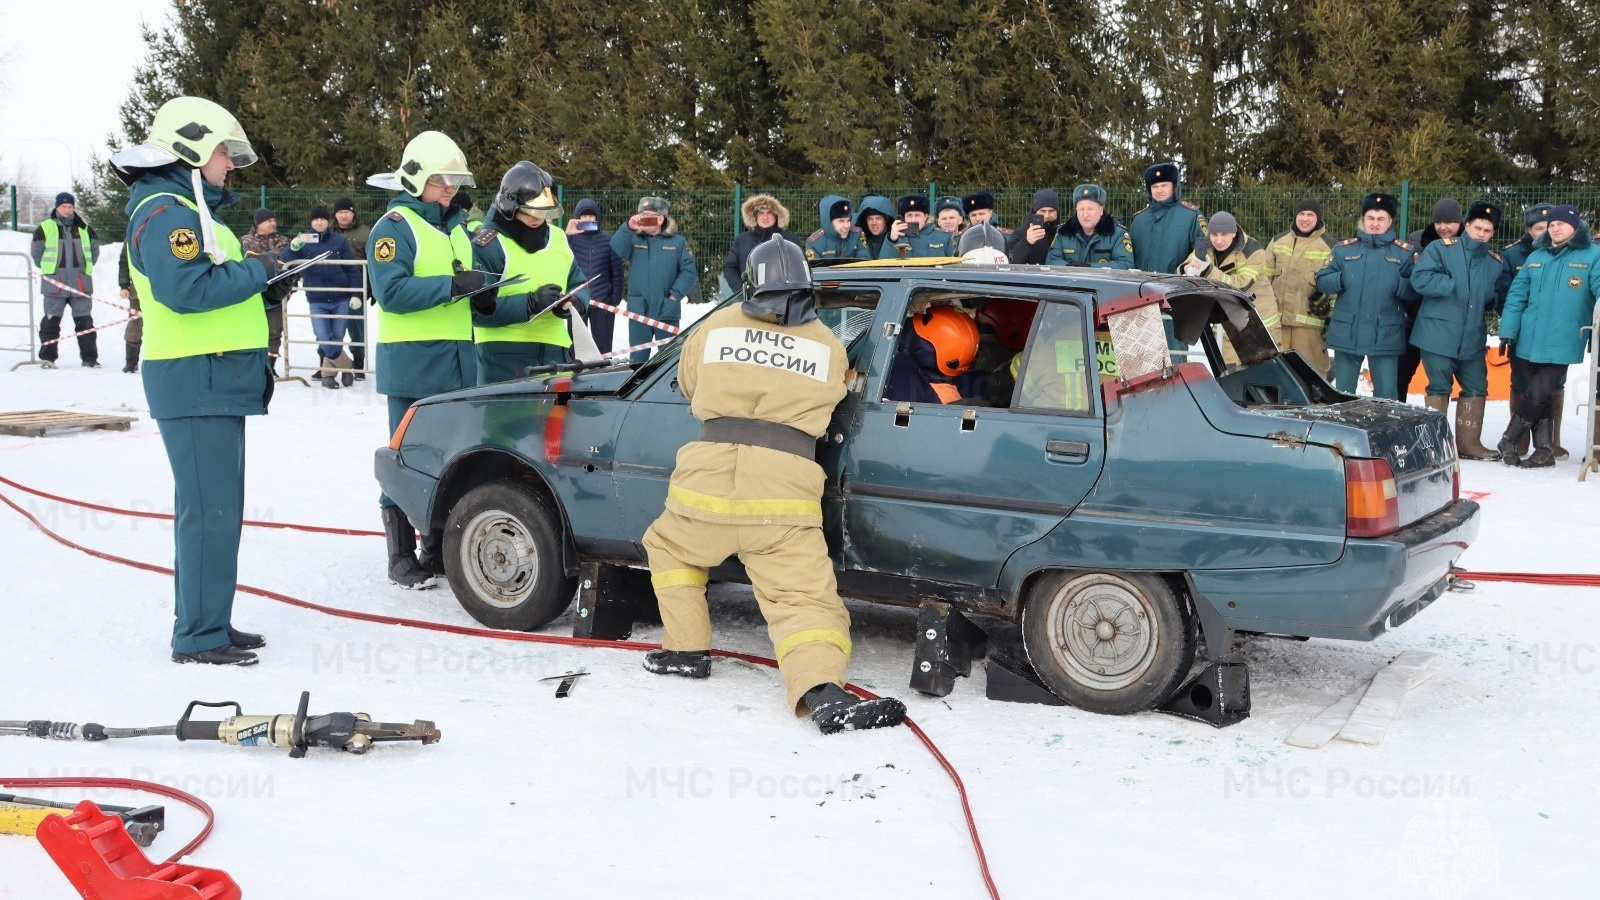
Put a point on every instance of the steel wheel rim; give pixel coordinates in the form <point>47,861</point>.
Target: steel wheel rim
<point>1102,630</point>
<point>499,559</point>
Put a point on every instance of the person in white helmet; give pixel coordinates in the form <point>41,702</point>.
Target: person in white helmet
<point>419,262</point>
<point>205,347</point>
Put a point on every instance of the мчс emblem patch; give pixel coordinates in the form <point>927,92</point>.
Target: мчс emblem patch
<point>1575,281</point>
<point>383,250</point>
<point>183,243</point>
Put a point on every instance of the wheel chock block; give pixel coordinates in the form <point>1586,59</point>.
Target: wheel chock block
<point>1219,696</point>
<point>1013,680</point>
<point>94,851</point>
<point>947,643</point>
<point>611,599</point>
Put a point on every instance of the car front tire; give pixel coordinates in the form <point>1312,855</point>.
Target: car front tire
<point>502,552</point>
<point>1109,642</point>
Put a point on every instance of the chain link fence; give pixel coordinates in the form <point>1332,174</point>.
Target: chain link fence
<point>710,219</point>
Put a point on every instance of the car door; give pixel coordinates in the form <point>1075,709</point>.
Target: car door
<point>946,492</point>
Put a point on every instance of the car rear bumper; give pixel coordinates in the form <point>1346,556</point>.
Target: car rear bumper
<point>410,490</point>
<point>1374,585</point>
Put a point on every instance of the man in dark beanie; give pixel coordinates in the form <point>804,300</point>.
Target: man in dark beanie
<point>347,223</point>
<point>1031,243</point>
<point>1459,279</point>
<point>64,248</point>
<point>1371,274</point>
<point>591,250</point>
<point>264,240</point>
<point>1297,255</point>
<point>1549,303</point>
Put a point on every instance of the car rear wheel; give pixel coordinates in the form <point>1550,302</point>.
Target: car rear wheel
<point>502,551</point>
<point>1109,642</point>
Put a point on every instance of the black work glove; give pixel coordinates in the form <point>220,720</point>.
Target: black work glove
<point>544,298</point>
<point>270,263</point>
<point>278,292</point>
<point>1508,347</point>
<point>467,281</point>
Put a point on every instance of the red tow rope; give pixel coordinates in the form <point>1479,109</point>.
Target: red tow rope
<point>955,778</point>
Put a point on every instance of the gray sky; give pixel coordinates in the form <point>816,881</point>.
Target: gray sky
<point>66,70</point>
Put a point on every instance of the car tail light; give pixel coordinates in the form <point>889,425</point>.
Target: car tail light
<point>1372,507</point>
<point>400,432</point>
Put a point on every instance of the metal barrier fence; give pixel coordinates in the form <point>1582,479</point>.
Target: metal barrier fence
<point>709,217</point>
<point>1591,405</point>
<point>29,322</point>
<point>357,316</point>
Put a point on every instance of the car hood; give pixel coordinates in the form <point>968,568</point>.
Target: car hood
<point>593,381</point>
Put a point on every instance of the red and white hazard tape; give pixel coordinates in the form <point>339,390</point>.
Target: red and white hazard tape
<point>653,323</point>
<point>68,337</point>
<point>133,313</point>
<point>628,350</point>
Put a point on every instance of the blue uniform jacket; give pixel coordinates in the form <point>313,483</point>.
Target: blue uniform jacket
<point>345,281</point>
<point>1165,233</point>
<point>236,383</point>
<point>1459,279</point>
<point>825,243</point>
<point>416,368</point>
<point>1552,299</point>
<point>660,270</point>
<point>1372,276</point>
<point>1107,247</point>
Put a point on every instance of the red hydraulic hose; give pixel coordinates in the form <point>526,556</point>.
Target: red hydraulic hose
<point>129,784</point>
<point>955,778</point>
<point>1534,578</point>
<point>141,514</point>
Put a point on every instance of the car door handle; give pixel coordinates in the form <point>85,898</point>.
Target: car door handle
<point>1067,449</point>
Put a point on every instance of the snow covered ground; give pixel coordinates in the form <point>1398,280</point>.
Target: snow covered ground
<point>641,786</point>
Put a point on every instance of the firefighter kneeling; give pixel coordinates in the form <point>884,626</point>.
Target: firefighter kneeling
<point>750,487</point>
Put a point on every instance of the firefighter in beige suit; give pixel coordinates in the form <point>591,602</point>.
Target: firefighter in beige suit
<point>763,378</point>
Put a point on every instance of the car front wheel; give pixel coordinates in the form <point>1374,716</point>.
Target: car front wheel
<point>502,551</point>
<point>1109,642</point>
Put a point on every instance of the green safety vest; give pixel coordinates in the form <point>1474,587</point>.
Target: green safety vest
<point>1070,366</point>
<point>437,254</point>
<point>52,248</point>
<point>171,335</point>
<point>549,266</point>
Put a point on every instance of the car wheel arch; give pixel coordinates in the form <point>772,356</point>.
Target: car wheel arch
<point>484,465</point>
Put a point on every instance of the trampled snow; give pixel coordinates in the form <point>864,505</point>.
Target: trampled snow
<point>637,785</point>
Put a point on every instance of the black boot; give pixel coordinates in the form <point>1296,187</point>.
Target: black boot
<point>244,640</point>
<point>88,346</point>
<point>358,362</point>
<point>688,663</point>
<point>1543,455</point>
<point>834,711</point>
<point>430,556</point>
<point>49,333</point>
<point>402,545</point>
<point>226,655</point>
<point>1516,431</point>
<point>132,364</point>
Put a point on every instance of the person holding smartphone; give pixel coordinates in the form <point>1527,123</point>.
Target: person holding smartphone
<point>661,270</point>
<point>1030,245</point>
<point>329,289</point>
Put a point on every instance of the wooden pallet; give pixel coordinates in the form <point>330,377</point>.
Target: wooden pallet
<point>36,422</point>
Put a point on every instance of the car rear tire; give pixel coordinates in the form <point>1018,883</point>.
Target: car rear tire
<point>502,557</point>
<point>1109,642</point>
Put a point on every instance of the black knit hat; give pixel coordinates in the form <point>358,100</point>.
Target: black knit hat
<point>973,202</point>
<point>344,203</point>
<point>320,211</point>
<point>1309,204</point>
<point>1447,211</point>
<point>1483,209</point>
<point>66,197</point>
<point>263,214</point>
<point>1381,202</point>
<point>913,203</point>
